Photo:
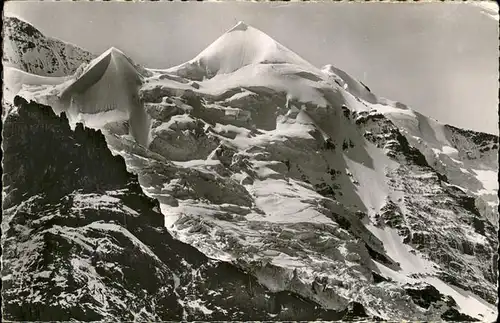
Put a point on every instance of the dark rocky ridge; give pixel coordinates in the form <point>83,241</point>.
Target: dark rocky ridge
<point>124,265</point>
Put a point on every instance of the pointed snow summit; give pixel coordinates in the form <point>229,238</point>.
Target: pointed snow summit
<point>109,84</point>
<point>240,46</point>
<point>112,69</point>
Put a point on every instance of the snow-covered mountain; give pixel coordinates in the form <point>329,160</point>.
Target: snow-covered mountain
<point>298,177</point>
<point>27,49</point>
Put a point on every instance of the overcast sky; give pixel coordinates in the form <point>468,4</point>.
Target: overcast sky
<point>440,59</point>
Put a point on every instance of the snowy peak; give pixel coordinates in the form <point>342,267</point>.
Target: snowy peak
<point>115,52</point>
<point>240,46</point>
<point>112,66</point>
<point>244,45</point>
<point>107,91</point>
<point>111,57</point>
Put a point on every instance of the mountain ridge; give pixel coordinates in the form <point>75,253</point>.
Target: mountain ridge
<point>308,181</point>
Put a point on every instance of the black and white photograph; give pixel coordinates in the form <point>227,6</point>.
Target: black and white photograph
<point>250,161</point>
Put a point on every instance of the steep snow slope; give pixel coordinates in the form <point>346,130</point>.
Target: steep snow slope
<point>26,48</point>
<point>303,178</point>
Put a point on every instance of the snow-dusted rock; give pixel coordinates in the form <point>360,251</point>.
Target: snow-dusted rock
<point>27,49</point>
